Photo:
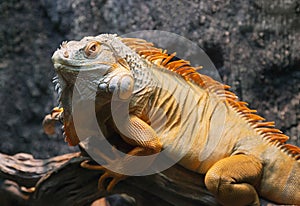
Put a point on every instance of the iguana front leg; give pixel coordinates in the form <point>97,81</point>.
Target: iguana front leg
<point>232,180</point>
<point>107,173</point>
<point>138,134</point>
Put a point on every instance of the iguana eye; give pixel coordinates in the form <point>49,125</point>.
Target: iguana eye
<point>92,49</point>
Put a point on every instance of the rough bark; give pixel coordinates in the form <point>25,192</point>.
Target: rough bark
<point>61,181</point>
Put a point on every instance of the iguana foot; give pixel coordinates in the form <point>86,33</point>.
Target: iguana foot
<point>233,179</point>
<point>116,177</point>
<point>50,120</point>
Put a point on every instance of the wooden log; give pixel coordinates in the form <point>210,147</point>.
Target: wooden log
<point>61,181</point>
<point>26,170</point>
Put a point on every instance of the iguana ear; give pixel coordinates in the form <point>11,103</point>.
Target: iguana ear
<point>126,87</point>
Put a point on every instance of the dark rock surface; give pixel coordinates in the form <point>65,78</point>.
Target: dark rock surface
<point>254,45</point>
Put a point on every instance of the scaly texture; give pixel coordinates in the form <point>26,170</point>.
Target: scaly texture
<point>173,107</point>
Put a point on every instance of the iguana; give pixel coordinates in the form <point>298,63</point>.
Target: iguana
<point>250,157</point>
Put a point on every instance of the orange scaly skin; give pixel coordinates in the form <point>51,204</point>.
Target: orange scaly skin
<point>243,160</point>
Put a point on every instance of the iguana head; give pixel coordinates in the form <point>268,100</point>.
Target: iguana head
<point>89,64</point>
<point>91,54</point>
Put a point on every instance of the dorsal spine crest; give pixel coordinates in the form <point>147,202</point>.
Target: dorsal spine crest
<point>182,67</point>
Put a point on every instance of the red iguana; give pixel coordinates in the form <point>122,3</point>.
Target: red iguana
<point>249,158</point>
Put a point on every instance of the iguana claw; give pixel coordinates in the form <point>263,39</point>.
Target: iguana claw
<point>116,177</point>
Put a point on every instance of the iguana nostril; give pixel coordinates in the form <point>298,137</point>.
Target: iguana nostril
<point>66,54</point>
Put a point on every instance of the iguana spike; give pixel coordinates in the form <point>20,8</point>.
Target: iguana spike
<point>276,137</point>
<point>294,149</point>
<point>254,117</point>
<point>198,68</point>
<point>147,52</point>
<point>270,130</point>
<point>155,57</point>
<point>265,124</point>
<point>169,57</point>
<point>243,103</point>
<point>176,64</point>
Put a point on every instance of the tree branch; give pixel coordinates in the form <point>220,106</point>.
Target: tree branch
<point>61,181</point>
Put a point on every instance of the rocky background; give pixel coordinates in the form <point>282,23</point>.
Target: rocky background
<point>255,46</point>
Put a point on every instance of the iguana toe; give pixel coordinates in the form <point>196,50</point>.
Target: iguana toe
<point>116,177</point>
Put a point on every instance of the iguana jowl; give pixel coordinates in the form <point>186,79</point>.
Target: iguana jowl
<point>249,157</point>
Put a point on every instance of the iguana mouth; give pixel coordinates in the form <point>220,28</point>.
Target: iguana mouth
<point>78,67</point>
<point>63,64</point>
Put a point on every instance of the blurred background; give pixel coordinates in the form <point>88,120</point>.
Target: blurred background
<point>254,44</point>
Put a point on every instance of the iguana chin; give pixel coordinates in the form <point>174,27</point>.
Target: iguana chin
<point>248,158</point>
